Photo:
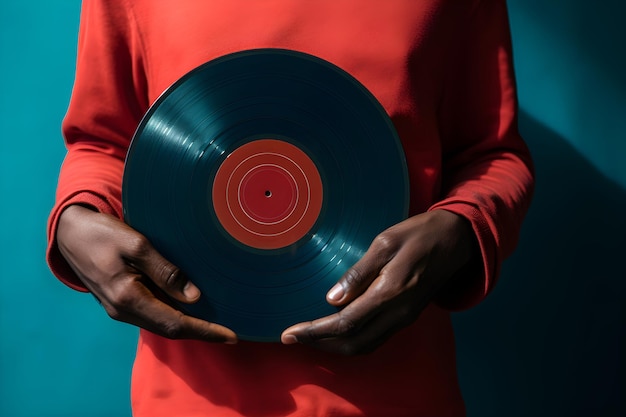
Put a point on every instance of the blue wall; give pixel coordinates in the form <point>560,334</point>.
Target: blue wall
<point>59,355</point>
<point>550,341</point>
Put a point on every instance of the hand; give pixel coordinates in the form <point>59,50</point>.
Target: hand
<point>394,281</point>
<point>129,277</point>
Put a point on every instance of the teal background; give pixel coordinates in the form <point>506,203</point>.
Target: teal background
<point>550,340</point>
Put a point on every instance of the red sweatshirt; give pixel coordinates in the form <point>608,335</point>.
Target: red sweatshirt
<point>443,72</point>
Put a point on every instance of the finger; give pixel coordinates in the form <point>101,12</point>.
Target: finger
<point>374,333</point>
<point>395,286</point>
<point>140,307</point>
<point>357,279</point>
<point>168,277</point>
<point>343,323</point>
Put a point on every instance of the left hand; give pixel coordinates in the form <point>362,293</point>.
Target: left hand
<point>394,281</point>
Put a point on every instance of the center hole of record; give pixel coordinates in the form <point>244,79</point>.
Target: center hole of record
<point>268,193</point>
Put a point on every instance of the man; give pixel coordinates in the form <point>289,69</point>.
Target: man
<point>443,72</point>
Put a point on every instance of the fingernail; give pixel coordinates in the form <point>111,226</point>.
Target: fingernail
<point>336,293</point>
<point>289,339</point>
<point>191,291</point>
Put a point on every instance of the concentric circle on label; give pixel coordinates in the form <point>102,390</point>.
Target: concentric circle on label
<point>267,194</point>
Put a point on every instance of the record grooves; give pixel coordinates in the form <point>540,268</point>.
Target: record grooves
<point>264,175</point>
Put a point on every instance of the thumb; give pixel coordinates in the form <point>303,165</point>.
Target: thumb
<point>355,281</point>
<point>361,275</point>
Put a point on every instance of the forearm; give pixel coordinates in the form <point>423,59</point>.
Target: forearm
<point>487,172</point>
<point>493,194</point>
<point>108,100</point>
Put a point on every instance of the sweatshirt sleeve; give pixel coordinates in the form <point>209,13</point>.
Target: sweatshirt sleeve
<point>488,174</point>
<point>108,100</point>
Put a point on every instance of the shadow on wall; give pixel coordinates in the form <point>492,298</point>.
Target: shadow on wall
<point>551,339</point>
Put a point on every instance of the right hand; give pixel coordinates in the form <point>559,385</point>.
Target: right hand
<point>125,273</point>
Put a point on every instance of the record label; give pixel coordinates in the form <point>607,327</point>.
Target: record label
<point>267,194</point>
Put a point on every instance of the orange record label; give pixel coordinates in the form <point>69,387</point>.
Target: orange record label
<point>267,194</point>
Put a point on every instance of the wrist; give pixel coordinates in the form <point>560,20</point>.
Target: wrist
<point>461,235</point>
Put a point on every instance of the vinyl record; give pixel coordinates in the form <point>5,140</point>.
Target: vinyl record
<point>264,175</point>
